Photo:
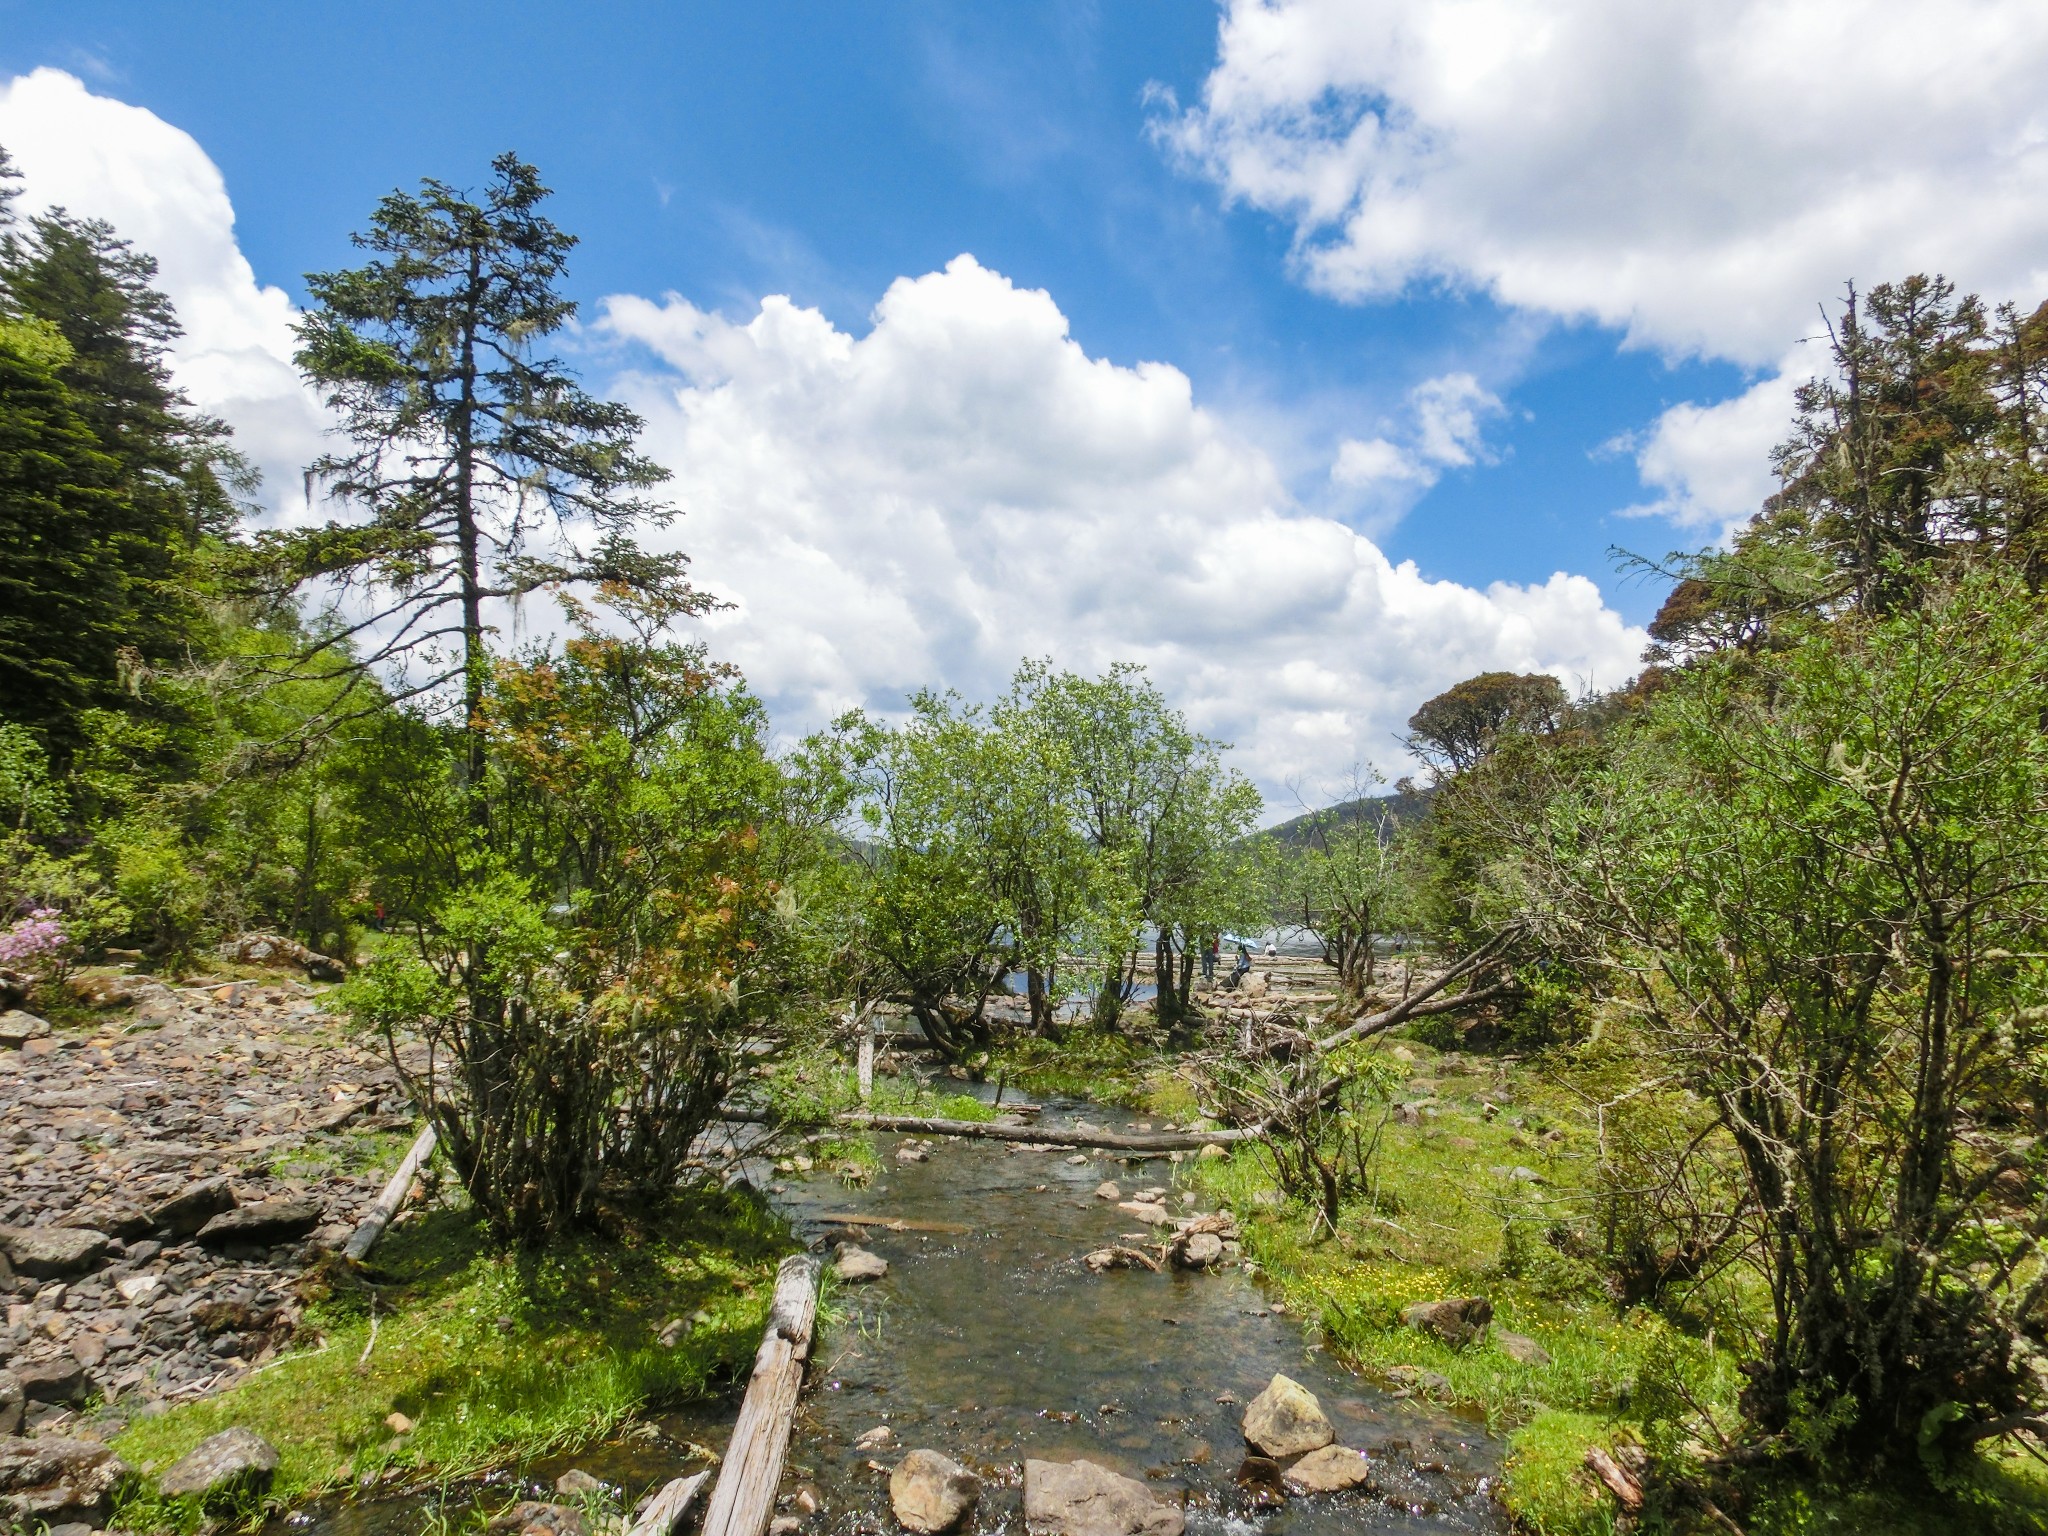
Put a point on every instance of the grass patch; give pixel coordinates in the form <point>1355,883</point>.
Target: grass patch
<point>496,1357</point>
<point>1110,1068</point>
<point>1451,1215</point>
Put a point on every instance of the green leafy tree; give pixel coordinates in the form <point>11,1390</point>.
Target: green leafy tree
<point>1815,882</point>
<point>1343,881</point>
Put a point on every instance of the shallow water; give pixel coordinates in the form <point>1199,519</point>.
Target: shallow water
<point>997,1344</point>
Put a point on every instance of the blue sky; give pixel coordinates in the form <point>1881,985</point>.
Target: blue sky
<point>1586,229</point>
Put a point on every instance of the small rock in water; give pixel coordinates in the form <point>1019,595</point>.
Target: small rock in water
<point>930,1492</point>
<point>912,1153</point>
<point>1079,1160</point>
<point>854,1265</point>
<point>577,1484</point>
<point>1521,1348</point>
<point>234,1463</point>
<point>1078,1498</point>
<point>532,1518</point>
<point>1259,1476</point>
<point>1108,1191</point>
<point>1457,1321</point>
<point>1200,1251</point>
<point>1145,1210</point>
<point>1286,1420</point>
<point>784,1525</point>
<point>874,1439</point>
<point>1330,1470</point>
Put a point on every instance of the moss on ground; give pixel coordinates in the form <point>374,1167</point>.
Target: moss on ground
<point>495,1357</point>
<point>1462,1201</point>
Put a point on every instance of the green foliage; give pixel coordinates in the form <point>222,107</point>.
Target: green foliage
<point>1831,861</point>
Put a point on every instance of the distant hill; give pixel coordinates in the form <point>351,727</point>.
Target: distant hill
<point>1401,810</point>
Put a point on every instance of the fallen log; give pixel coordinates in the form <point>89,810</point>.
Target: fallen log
<point>1050,1136</point>
<point>744,1499</point>
<point>1024,1135</point>
<point>665,1511</point>
<point>895,1224</point>
<point>378,1217</point>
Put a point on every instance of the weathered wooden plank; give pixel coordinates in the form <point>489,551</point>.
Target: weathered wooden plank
<point>378,1217</point>
<point>744,1497</point>
<point>665,1511</point>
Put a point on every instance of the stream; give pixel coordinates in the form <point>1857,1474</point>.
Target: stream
<point>996,1343</point>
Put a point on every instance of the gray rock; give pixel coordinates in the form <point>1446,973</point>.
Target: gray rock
<point>12,1400</point>
<point>577,1483</point>
<point>262,1225</point>
<point>930,1492</point>
<point>1457,1321</point>
<point>1520,1347</point>
<point>1108,1191</point>
<point>61,1380</point>
<point>193,1206</point>
<point>235,1463</point>
<point>1148,1211</point>
<point>854,1265</point>
<point>18,1028</point>
<point>1330,1470</point>
<point>1286,1419</point>
<point>1200,1251</point>
<point>50,1253</point>
<point>531,1518</point>
<point>53,1481</point>
<point>1078,1498</point>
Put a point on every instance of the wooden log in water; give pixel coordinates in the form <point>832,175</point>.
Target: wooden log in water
<point>1051,1136</point>
<point>744,1499</point>
<point>665,1511</point>
<point>378,1217</point>
<point>894,1224</point>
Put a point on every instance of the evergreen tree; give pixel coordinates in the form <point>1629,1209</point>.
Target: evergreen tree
<point>465,441</point>
<point>111,485</point>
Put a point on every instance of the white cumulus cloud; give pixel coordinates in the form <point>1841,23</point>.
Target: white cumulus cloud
<point>104,159</point>
<point>1699,174</point>
<point>926,503</point>
<point>963,486</point>
<point>1446,431</point>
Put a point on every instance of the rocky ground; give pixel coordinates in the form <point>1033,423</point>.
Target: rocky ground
<point>171,1167</point>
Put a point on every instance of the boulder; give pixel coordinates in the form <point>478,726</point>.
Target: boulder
<point>12,1402</point>
<point>854,1265</point>
<point>60,1380</point>
<point>1286,1420</point>
<point>18,1028</point>
<point>270,949</point>
<point>54,1253</point>
<point>1457,1321</point>
<point>1331,1470</point>
<point>119,1219</point>
<point>1200,1251</point>
<point>54,1481</point>
<point>263,1225</point>
<point>1520,1347</point>
<point>193,1206</point>
<point>236,1463</point>
<point>930,1492</point>
<point>532,1518</point>
<point>1078,1498</point>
